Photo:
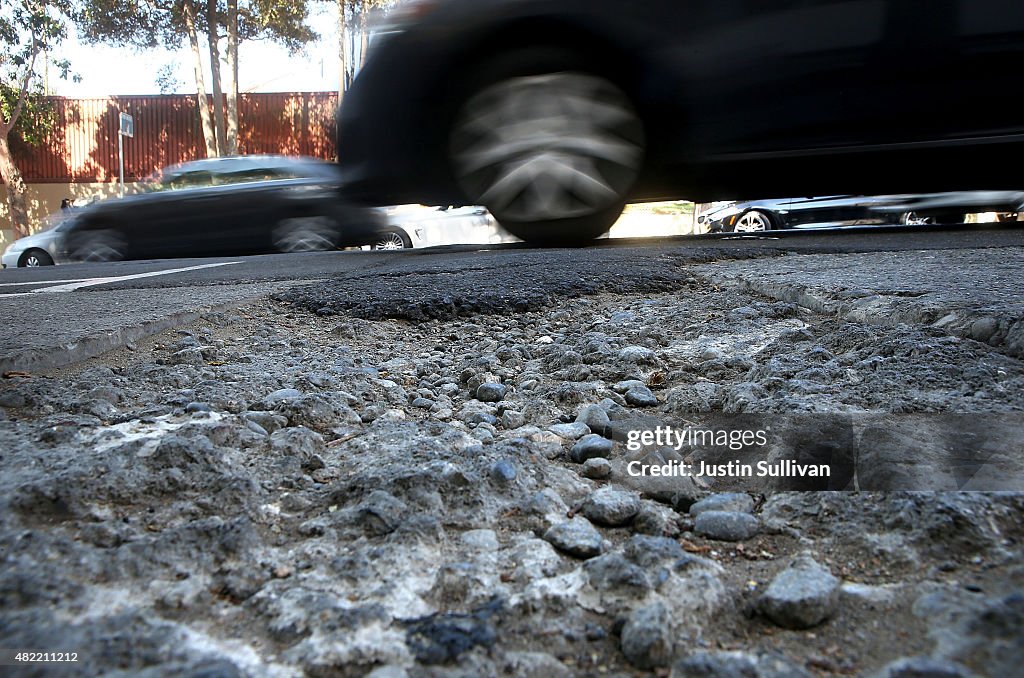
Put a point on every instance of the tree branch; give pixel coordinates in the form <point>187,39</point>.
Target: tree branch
<point>6,127</point>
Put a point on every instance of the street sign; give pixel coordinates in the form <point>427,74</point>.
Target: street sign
<point>126,129</point>
<point>127,125</point>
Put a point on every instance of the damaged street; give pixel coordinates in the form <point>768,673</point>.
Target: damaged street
<point>439,464</point>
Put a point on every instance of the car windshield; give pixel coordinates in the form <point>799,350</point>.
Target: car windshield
<point>173,180</point>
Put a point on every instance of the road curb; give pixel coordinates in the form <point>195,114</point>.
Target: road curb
<point>94,345</point>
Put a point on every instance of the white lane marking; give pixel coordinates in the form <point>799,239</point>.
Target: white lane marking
<point>43,282</point>
<point>89,282</point>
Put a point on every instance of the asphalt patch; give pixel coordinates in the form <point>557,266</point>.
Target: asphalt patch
<point>503,282</point>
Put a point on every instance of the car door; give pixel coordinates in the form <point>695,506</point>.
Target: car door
<point>770,75</point>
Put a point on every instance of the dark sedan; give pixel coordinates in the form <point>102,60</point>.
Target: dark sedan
<point>555,113</point>
<point>857,210</point>
<point>225,206</point>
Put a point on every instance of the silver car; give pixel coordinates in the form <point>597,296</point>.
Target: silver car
<point>38,249</point>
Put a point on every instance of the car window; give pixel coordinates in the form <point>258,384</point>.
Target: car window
<point>255,174</point>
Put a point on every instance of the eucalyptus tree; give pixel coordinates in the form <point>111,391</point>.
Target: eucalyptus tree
<point>145,24</point>
<point>29,31</point>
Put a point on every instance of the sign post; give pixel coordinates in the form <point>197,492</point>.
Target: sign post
<point>126,129</point>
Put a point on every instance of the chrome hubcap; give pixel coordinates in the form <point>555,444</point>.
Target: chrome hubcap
<point>751,222</point>
<point>304,234</point>
<point>550,146</point>
<point>392,241</point>
<point>33,260</point>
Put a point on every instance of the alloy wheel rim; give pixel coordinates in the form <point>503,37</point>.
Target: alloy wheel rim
<point>751,222</point>
<point>32,261</point>
<point>551,146</point>
<point>392,241</point>
<point>305,234</point>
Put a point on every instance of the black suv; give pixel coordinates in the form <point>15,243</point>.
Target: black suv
<point>554,113</point>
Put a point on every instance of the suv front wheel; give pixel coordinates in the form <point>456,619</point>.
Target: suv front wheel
<point>551,151</point>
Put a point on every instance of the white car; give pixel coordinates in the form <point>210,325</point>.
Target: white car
<point>38,249</point>
<point>448,225</point>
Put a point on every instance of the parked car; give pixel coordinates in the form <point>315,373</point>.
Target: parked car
<point>448,225</point>
<point>857,210</point>
<point>555,113</point>
<point>226,206</point>
<point>38,249</point>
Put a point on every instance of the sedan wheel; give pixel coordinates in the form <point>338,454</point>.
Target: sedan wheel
<point>99,246</point>
<point>753,222</point>
<point>305,234</point>
<point>552,156</point>
<point>392,241</point>
<point>34,258</point>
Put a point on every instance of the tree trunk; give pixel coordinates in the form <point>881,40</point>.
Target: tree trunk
<point>16,203</point>
<point>218,88</point>
<point>342,50</point>
<point>232,125</point>
<point>197,65</point>
<point>364,31</point>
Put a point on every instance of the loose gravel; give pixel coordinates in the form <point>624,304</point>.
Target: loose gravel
<point>413,487</point>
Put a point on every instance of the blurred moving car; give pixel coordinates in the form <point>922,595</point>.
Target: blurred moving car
<point>857,210</point>
<point>39,249</point>
<point>226,206</point>
<point>555,113</point>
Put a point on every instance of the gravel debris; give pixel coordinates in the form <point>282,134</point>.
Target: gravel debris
<point>284,491</point>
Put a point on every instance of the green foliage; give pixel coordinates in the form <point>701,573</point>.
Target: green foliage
<point>146,23</point>
<point>28,30</point>
<point>38,115</point>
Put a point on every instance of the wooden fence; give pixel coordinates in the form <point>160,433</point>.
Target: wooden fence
<point>83,147</point>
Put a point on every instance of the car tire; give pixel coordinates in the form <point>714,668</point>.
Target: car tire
<point>392,240</point>
<point>35,257</point>
<point>305,234</point>
<point>98,245</point>
<point>550,147</point>
<point>753,221</point>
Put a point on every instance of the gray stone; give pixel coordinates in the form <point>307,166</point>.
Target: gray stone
<point>595,417</point>
<point>735,665</point>
<point>577,537</point>
<point>647,637</point>
<point>641,396</point>
<point>480,418</point>
<point>573,431</point>
<point>650,551</point>
<point>490,392</point>
<point>637,354</point>
<point>12,399</point>
<point>589,447</point>
<point>503,471</point>
<point>511,419</point>
<point>481,540</point>
<point>801,596</point>
<point>596,468</point>
<point>726,525</point>
<point>423,403</point>
<point>923,667</point>
<point>725,501</point>
<point>656,520</point>
<point>197,407</point>
<point>613,572</point>
<point>282,394</point>
<point>380,513</point>
<point>609,506</point>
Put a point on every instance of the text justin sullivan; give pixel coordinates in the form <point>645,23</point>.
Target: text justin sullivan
<point>733,469</point>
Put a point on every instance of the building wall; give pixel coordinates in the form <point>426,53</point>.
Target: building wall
<point>44,199</point>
